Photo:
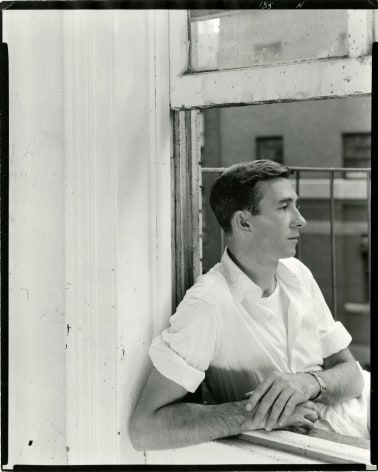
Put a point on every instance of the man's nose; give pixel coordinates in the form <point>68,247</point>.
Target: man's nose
<point>298,220</point>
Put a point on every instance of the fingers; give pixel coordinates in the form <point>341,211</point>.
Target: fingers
<point>310,410</point>
<point>275,400</point>
<point>288,410</point>
<point>305,429</point>
<point>258,393</point>
<point>312,418</point>
<point>312,406</point>
<point>277,409</point>
<point>306,424</point>
<point>264,406</point>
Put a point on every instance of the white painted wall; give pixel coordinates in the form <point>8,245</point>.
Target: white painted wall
<point>90,227</point>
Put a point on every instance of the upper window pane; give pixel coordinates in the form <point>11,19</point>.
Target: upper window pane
<point>228,39</point>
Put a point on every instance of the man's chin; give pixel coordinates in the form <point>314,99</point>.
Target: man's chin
<point>289,253</point>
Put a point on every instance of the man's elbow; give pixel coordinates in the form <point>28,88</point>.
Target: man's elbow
<point>355,380</point>
<point>137,440</point>
<point>359,381</point>
<point>138,433</point>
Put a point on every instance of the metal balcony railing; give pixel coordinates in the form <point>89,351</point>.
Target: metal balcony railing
<point>350,181</point>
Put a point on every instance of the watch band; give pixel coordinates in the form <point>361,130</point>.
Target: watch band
<point>321,382</point>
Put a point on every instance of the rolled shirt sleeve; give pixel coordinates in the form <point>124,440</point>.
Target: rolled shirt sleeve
<point>334,340</point>
<point>183,351</point>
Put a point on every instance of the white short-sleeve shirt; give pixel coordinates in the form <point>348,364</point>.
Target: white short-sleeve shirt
<point>223,332</point>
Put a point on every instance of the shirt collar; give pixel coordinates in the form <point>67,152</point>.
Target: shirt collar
<point>286,273</point>
<point>240,283</point>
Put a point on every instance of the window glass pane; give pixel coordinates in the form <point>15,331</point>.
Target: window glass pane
<point>241,38</point>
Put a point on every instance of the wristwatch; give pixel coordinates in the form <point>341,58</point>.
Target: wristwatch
<point>321,382</point>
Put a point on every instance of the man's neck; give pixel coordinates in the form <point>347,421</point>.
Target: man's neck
<point>260,270</point>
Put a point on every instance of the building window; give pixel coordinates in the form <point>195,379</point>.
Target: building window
<point>356,153</point>
<point>270,147</point>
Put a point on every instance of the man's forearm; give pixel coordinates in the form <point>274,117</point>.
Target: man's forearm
<point>184,424</point>
<point>343,381</point>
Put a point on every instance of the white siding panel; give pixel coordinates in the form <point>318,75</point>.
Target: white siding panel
<point>36,238</point>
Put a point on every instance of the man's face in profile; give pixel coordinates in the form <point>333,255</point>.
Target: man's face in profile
<point>275,230</point>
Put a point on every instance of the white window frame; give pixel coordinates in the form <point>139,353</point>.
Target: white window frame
<point>305,80</point>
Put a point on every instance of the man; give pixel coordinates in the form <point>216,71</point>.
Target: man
<point>255,329</point>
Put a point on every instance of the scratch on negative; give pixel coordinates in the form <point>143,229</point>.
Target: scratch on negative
<point>27,292</point>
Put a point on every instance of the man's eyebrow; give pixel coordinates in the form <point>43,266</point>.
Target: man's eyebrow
<point>288,200</point>
<point>284,201</point>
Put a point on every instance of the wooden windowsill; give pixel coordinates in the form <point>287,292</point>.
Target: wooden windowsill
<point>275,447</point>
<point>320,445</point>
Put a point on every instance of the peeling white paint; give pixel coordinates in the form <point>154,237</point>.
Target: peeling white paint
<point>296,81</point>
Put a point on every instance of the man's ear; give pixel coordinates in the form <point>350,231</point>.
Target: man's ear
<point>241,220</point>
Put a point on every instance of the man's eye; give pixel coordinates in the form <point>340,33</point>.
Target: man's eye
<point>285,207</point>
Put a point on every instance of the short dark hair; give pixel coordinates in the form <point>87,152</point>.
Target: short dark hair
<point>235,189</point>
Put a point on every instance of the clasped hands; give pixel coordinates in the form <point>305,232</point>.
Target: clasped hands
<point>283,401</point>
